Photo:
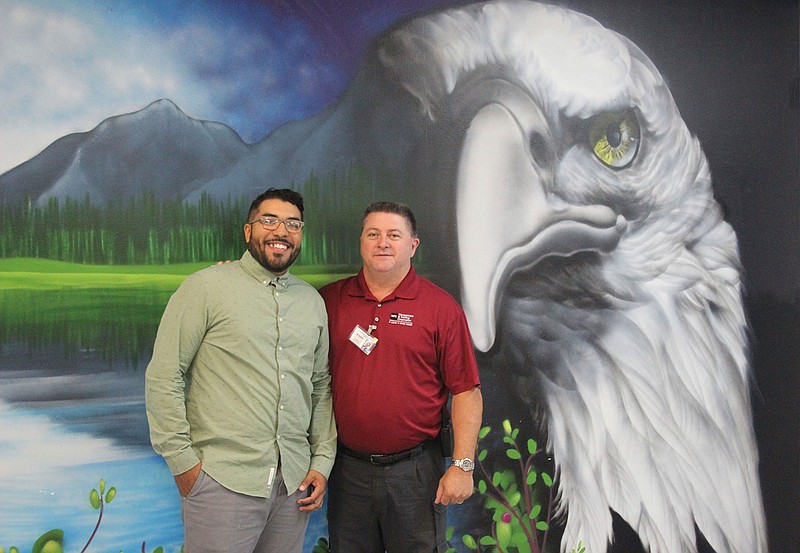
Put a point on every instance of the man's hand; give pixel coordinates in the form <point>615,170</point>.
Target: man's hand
<point>317,483</point>
<point>456,486</point>
<point>188,479</point>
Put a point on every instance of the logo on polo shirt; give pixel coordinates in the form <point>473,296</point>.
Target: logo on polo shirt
<point>401,319</point>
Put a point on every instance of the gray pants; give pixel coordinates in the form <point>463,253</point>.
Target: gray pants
<point>217,520</point>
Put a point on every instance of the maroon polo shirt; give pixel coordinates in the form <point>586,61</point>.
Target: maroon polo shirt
<point>391,400</point>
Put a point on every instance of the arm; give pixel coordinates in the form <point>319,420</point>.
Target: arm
<point>322,431</point>
<point>179,336</point>
<point>457,485</point>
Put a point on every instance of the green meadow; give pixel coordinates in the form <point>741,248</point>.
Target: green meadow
<point>46,274</point>
<point>109,310</point>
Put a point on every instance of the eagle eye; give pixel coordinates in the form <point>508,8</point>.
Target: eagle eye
<point>614,138</point>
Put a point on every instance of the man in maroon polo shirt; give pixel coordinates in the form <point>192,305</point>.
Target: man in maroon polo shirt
<point>399,346</point>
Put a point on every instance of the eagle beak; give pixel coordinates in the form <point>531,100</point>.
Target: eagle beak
<point>504,220</point>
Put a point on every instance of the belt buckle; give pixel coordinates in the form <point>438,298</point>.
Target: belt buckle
<point>375,459</point>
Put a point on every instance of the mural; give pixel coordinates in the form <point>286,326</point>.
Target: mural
<point>610,189</point>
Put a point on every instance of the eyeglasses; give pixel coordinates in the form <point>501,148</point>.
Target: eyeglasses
<point>269,223</point>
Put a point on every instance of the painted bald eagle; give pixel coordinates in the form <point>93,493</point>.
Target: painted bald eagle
<point>596,268</point>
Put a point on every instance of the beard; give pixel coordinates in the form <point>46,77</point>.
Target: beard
<point>276,266</point>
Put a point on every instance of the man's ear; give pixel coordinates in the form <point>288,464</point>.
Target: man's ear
<point>248,229</point>
<point>414,246</point>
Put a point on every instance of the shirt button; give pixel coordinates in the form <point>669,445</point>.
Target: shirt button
<point>283,376</point>
<point>280,319</point>
<point>376,319</point>
<point>379,305</point>
<point>281,407</point>
<point>280,348</point>
<point>265,282</point>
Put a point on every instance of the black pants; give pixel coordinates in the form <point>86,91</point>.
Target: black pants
<point>374,508</point>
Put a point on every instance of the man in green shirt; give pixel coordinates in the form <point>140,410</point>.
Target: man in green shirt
<point>238,392</point>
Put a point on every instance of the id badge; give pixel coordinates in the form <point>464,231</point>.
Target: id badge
<point>363,339</point>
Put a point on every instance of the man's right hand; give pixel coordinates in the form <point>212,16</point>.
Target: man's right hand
<point>187,480</point>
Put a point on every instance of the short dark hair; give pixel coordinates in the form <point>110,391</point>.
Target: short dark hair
<point>393,207</point>
<point>285,194</point>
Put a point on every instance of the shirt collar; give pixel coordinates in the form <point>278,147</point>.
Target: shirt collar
<point>407,289</point>
<point>258,272</point>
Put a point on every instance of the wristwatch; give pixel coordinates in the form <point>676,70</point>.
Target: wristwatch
<point>464,464</point>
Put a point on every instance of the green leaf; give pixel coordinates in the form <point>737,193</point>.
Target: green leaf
<point>507,427</point>
<point>49,542</point>
<point>514,498</point>
<point>580,549</point>
<point>496,478</point>
<point>94,499</point>
<point>519,540</point>
<point>515,433</point>
<point>469,541</point>
<point>158,550</point>
<point>102,486</point>
<point>532,446</point>
<point>503,534</point>
<point>482,455</point>
<point>507,478</point>
<point>112,493</point>
<point>488,540</point>
<point>484,432</point>
<point>448,534</point>
<point>547,480</point>
<point>531,478</point>
<point>482,486</point>
<point>52,547</point>
<point>513,454</point>
<point>535,510</point>
<point>542,526</point>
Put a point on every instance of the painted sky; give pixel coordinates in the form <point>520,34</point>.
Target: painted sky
<point>66,65</point>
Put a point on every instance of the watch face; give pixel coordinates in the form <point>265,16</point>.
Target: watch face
<point>465,464</point>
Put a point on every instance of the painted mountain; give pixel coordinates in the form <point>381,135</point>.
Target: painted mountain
<point>157,148</point>
<point>374,125</point>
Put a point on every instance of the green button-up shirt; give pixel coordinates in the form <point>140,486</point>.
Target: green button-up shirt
<point>239,379</point>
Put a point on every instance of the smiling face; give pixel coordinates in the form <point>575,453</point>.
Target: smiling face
<point>275,249</point>
<point>387,245</point>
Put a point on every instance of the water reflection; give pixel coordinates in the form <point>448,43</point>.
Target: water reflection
<point>116,324</point>
<point>49,470</point>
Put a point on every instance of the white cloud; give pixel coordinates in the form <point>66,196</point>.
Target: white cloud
<point>67,66</point>
<point>60,75</point>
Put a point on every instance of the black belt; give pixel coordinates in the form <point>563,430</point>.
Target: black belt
<point>387,458</point>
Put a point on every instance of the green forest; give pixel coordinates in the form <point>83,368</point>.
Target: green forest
<point>151,229</point>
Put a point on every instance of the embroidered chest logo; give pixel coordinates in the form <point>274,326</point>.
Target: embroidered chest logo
<point>401,319</point>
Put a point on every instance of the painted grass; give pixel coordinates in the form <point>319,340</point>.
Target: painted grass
<point>44,274</point>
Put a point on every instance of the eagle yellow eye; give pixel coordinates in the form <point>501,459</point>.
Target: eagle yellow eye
<point>614,138</point>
